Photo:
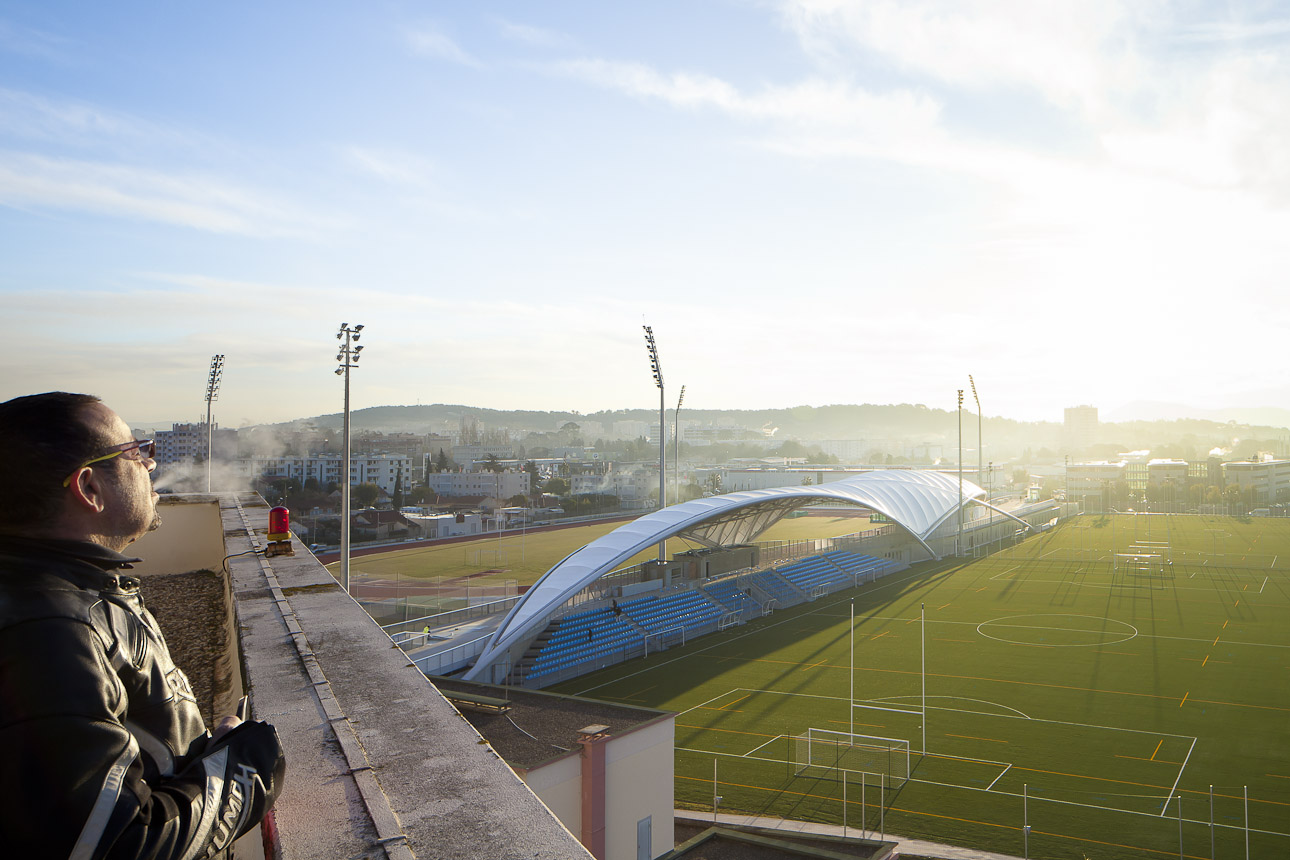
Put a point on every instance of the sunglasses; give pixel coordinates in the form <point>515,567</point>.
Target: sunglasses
<point>136,450</point>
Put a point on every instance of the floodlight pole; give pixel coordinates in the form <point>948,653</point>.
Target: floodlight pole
<point>958,541</point>
<point>212,393</point>
<point>657,368</point>
<point>348,357</point>
<point>851,710</point>
<point>922,640</point>
<point>676,434</point>
<point>979,447</point>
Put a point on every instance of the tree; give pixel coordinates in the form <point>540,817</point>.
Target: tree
<point>535,477</point>
<point>556,487</point>
<point>398,491</point>
<point>365,495</point>
<point>492,464</point>
<point>441,462</point>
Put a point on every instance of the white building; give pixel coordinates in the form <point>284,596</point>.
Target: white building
<point>380,469</point>
<point>497,485</point>
<point>1266,481</point>
<point>472,456</point>
<point>1080,428</point>
<point>631,429</point>
<point>186,443</point>
<point>628,484</point>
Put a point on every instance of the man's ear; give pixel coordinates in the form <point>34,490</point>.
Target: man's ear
<point>87,490</point>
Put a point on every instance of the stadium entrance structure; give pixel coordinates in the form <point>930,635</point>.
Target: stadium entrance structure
<point>922,503</point>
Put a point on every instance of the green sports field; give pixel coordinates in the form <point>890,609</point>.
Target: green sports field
<point>1092,682</point>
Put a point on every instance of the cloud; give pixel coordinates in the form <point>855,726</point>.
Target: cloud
<point>537,37</point>
<point>432,43</point>
<point>1071,53</point>
<point>400,168</point>
<point>198,201</point>
<point>24,41</point>
<point>814,104</point>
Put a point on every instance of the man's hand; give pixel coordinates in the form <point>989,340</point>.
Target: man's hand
<point>224,726</point>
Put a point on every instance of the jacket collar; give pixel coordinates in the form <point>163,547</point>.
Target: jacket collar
<point>56,550</point>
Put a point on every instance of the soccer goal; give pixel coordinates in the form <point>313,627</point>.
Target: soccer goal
<point>494,558</point>
<point>833,755</point>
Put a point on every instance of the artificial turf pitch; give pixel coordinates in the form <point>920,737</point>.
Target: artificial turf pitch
<point>1085,701</point>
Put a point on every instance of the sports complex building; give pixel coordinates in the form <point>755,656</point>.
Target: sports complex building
<point>586,612</point>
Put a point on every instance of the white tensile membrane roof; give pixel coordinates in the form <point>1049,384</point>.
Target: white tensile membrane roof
<point>917,501</point>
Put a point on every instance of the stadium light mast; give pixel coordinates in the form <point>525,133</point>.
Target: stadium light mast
<point>657,367</point>
<point>348,356</point>
<point>212,393</point>
<point>676,434</point>
<point>958,545</point>
<point>979,448</point>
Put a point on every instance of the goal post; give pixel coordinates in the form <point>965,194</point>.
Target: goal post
<point>491,557</point>
<point>835,755</point>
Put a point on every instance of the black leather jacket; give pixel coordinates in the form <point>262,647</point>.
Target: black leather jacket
<point>103,752</point>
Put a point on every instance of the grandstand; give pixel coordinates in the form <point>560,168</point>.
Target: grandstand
<point>585,613</point>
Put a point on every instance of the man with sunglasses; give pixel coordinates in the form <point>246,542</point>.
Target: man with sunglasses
<point>103,751</point>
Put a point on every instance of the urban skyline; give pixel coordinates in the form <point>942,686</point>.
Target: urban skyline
<point>811,203</point>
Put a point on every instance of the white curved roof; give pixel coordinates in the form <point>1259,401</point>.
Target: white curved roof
<point>918,501</point>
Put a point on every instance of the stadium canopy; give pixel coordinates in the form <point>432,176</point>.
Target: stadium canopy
<point>917,501</point>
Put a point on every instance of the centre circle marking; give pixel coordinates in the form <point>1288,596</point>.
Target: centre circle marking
<point>1119,631</point>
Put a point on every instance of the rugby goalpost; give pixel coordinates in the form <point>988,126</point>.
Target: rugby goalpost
<point>1144,558</point>
<point>836,755</point>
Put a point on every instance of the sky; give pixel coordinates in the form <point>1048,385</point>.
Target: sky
<point>810,201</point>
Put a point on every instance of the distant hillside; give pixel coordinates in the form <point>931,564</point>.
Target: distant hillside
<point>887,427</point>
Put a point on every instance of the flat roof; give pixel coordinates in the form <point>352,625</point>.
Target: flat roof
<point>539,727</point>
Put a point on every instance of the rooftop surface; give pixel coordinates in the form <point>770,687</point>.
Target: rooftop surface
<point>539,727</point>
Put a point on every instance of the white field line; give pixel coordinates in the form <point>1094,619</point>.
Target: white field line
<point>999,777</point>
<point>1001,573</point>
<point>1264,585</point>
<point>710,701</point>
<point>892,710</point>
<point>1033,798</point>
<point>1183,767</point>
<point>768,743</point>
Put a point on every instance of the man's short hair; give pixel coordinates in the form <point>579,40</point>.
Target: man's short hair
<point>44,438</point>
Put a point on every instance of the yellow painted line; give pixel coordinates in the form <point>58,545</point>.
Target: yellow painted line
<point>974,738</point>
<point>869,725</point>
<point>735,702</point>
<point>718,710</point>
<point>942,607</point>
<point>968,641</point>
<point>1185,695</point>
<point>879,636</point>
<point>1203,662</point>
<point>982,588</point>
<point>1157,749</point>
<point>1224,625</point>
<point>1236,604</point>
<point>1215,640</point>
<point>1134,757</point>
<point>724,731</point>
<point>1276,776</point>
<point>1245,587</point>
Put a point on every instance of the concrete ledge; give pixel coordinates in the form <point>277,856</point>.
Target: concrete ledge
<point>378,762</point>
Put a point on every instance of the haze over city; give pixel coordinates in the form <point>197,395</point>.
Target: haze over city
<point>810,202</point>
